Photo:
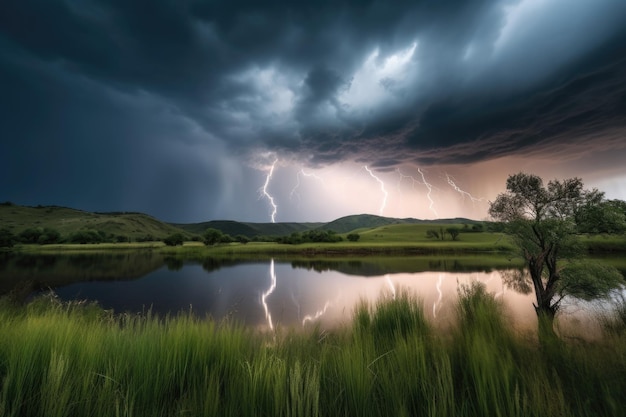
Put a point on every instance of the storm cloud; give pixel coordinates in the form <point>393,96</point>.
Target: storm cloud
<point>115,101</point>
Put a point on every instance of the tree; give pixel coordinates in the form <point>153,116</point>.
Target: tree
<point>602,217</point>
<point>353,237</point>
<point>432,234</point>
<point>242,239</point>
<point>49,236</point>
<point>453,232</point>
<point>175,239</point>
<point>212,236</point>
<point>30,235</point>
<point>7,238</point>
<point>542,222</point>
<point>85,236</point>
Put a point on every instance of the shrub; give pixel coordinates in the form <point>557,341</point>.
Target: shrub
<point>353,237</point>
<point>85,236</point>
<point>242,239</point>
<point>212,236</point>
<point>7,238</point>
<point>175,239</point>
<point>49,236</point>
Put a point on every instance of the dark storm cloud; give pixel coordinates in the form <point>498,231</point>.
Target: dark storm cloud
<point>381,83</point>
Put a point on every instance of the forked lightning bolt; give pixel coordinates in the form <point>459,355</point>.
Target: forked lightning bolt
<point>267,195</point>
<point>303,174</point>
<point>382,188</point>
<point>428,195</point>
<point>424,183</point>
<point>270,290</point>
<point>464,193</point>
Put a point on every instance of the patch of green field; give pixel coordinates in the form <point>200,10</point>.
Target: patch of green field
<point>391,239</point>
<point>74,359</point>
<point>604,243</point>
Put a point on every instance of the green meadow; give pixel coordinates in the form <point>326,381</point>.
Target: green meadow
<point>76,359</point>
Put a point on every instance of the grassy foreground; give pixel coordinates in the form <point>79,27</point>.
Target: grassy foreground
<point>60,360</point>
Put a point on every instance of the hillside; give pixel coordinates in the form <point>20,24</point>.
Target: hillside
<point>67,221</point>
<point>368,221</point>
<point>235,228</point>
<point>137,226</point>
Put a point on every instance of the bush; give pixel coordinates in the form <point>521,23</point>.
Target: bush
<point>432,234</point>
<point>212,236</point>
<point>353,237</point>
<point>311,236</point>
<point>85,236</point>
<point>453,232</point>
<point>49,236</point>
<point>30,235</point>
<point>175,239</point>
<point>7,238</point>
<point>242,239</point>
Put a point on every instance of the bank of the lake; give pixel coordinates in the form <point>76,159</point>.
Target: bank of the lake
<point>76,359</point>
<point>469,243</point>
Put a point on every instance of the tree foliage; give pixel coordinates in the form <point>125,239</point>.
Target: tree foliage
<point>212,236</point>
<point>543,222</point>
<point>311,236</point>
<point>353,237</point>
<point>86,236</point>
<point>453,232</point>
<point>603,217</point>
<point>175,239</point>
<point>7,238</point>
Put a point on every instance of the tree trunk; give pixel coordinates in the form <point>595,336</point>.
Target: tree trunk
<point>548,339</point>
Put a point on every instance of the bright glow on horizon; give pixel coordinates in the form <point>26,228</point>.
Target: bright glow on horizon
<point>296,192</point>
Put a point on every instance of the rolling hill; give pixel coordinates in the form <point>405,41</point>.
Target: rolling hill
<point>235,228</point>
<point>368,221</point>
<point>67,221</point>
<point>136,226</point>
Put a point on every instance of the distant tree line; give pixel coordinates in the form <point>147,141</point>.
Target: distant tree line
<point>214,237</point>
<point>310,236</point>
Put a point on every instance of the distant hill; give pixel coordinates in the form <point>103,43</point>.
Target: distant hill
<point>67,221</point>
<point>235,228</point>
<point>368,221</point>
<point>138,225</point>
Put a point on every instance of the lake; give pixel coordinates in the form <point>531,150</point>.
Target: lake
<point>270,292</point>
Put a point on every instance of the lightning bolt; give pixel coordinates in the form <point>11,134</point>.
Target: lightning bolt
<point>270,290</point>
<point>408,177</point>
<point>317,315</point>
<point>266,194</point>
<point>437,304</point>
<point>382,188</point>
<point>391,286</point>
<point>428,195</point>
<point>302,173</point>
<point>464,193</point>
<point>425,183</point>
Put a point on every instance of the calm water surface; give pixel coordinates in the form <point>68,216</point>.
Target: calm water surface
<point>262,294</point>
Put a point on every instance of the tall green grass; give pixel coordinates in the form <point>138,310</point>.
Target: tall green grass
<point>61,359</point>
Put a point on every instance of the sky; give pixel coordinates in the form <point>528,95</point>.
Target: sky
<point>193,110</point>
